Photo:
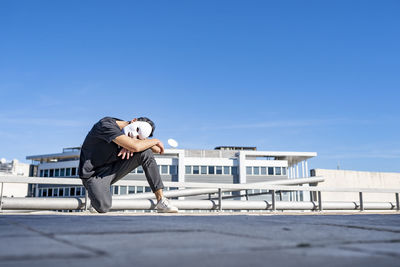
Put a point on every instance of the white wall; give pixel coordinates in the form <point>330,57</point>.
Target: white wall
<point>358,179</point>
<point>14,190</point>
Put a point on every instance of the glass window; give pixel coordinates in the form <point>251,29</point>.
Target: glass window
<point>226,170</point>
<point>41,173</point>
<point>140,169</point>
<point>210,169</point>
<point>203,169</point>
<point>68,172</point>
<point>234,170</point>
<point>40,192</point>
<point>66,191</point>
<point>140,189</point>
<point>55,192</point>
<point>83,190</point>
<point>62,172</point>
<point>131,190</point>
<point>147,189</point>
<point>263,171</point>
<point>219,169</point>
<point>283,170</point>
<point>164,169</point>
<point>50,192</point>
<point>196,170</point>
<point>45,192</point>
<point>270,170</point>
<point>61,192</point>
<point>133,171</point>
<point>52,173</point>
<point>73,173</point>
<point>72,191</point>
<point>256,170</point>
<point>188,169</point>
<point>173,169</point>
<point>248,170</point>
<point>122,190</point>
<point>57,173</point>
<point>46,173</point>
<point>78,191</point>
<point>115,190</point>
<point>277,170</point>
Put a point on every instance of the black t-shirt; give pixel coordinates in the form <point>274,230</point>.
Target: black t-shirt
<point>98,150</point>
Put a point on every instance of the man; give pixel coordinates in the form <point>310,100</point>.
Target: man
<point>111,150</point>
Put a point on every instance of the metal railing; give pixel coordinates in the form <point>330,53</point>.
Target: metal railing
<point>145,201</point>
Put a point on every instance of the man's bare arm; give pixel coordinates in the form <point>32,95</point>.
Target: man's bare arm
<point>137,145</point>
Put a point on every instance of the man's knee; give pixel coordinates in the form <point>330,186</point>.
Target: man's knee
<point>102,206</point>
<point>146,155</point>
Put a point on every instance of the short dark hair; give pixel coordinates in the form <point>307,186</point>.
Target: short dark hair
<point>153,126</point>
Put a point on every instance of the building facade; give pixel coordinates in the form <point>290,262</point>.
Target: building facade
<point>231,165</point>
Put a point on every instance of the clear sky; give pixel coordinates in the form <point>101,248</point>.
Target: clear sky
<point>320,76</point>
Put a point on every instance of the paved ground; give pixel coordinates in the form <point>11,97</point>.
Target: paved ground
<point>190,240</point>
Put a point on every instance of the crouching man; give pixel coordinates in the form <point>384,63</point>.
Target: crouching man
<point>111,150</point>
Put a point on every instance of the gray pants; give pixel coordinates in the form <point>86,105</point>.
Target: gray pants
<point>98,186</point>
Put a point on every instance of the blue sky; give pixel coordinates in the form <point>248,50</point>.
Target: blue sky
<point>319,76</point>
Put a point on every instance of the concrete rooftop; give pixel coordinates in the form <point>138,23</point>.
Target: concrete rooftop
<point>199,240</point>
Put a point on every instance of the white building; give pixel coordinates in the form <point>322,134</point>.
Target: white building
<point>13,168</point>
<point>221,165</point>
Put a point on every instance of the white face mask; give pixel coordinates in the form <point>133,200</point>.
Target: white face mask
<point>139,129</point>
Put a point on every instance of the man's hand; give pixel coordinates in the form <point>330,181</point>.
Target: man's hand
<point>160,145</point>
<point>125,153</point>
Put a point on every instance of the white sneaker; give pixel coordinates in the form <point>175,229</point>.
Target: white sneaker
<point>164,206</point>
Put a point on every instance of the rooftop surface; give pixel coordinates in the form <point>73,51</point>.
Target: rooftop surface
<point>81,239</point>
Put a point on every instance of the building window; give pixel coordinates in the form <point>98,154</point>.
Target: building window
<point>248,170</point>
<point>263,170</point>
<point>73,173</point>
<point>226,170</point>
<point>234,170</point>
<point>188,169</point>
<point>256,170</point>
<point>203,169</point>
<point>131,190</point>
<point>78,191</point>
<point>283,170</point>
<point>173,169</point>
<point>115,190</point>
<point>72,191</point>
<point>122,190</point>
<point>41,173</point>
<point>52,173</point>
<point>133,171</point>
<point>211,169</point>
<point>68,172</point>
<point>61,192</point>
<point>140,169</point>
<point>62,172</point>
<point>55,192</point>
<point>270,170</point>
<point>50,192</point>
<point>277,170</point>
<point>196,170</point>
<point>164,169</point>
<point>57,173</point>
<point>140,189</point>
<point>66,191</point>
<point>45,192</point>
<point>219,169</point>
<point>147,189</point>
<point>46,173</point>
<point>40,192</point>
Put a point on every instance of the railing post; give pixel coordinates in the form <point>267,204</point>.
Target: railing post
<point>273,200</point>
<point>397,202</point>
<point>219,199</point>
<point>361,201</point>
<point>319,201</point>
<point>1,196</point>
